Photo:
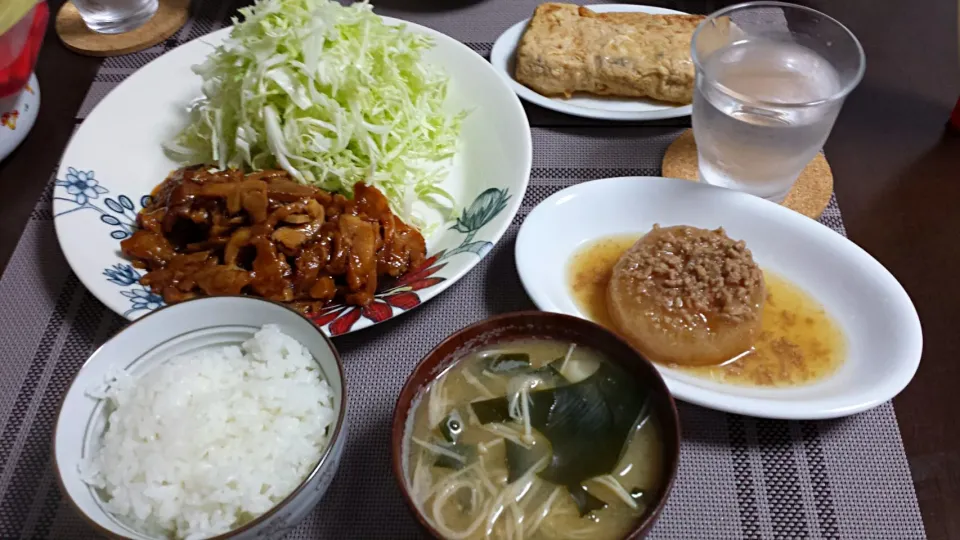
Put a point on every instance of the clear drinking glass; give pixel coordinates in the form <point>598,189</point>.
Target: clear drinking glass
<point>771,78</point>
<point>115,16</point>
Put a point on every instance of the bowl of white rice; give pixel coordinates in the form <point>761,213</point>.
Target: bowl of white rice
<point>222,417</point>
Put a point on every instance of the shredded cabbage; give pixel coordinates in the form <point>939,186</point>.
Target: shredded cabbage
<point>334,96</point>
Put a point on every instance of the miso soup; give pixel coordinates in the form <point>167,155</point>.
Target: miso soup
<point>534,439</point>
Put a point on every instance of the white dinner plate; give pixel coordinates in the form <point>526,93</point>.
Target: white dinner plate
<point>602,108</point>
<point>880,323</point>
<point>115,160</point>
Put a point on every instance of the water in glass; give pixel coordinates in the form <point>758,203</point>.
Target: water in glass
<point>115,16</point>
<point>756,116</point>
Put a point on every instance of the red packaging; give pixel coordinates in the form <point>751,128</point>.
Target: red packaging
<point>15,67</point>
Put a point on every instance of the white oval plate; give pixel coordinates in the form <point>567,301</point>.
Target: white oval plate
<point>115,160</point>
<point>880,323</point>
<point>601,108</point>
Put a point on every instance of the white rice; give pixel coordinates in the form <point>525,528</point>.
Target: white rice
<point>208,441</point>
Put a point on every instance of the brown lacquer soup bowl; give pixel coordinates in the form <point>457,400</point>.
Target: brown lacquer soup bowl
<point>628,374</point>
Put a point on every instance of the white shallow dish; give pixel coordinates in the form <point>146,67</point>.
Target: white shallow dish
<point>884,340</point>
<point>597,107</point>
<point>170,332</point>
<point>115,159</point>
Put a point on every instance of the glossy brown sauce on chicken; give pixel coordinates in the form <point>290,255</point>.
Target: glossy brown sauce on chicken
<point>264,234</point>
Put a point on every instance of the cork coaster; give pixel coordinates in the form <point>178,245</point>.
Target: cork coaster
<point>809,196</point>
<point>170,17</point>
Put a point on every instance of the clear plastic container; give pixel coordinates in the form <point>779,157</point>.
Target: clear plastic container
<point>19,46</point>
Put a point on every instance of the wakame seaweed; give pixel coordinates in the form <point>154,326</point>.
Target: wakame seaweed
<point>491,411</point>
<point>467,452</point>
<point>519,460</point>
<point>496,410</point>
<point>509,362</point>
<point>587,423</point>
<point>585,502</point>
<point>550,373</point>
<point>451,426</point>
<point>519,364</point>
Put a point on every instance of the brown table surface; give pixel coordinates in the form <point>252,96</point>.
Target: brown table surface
<point>897,181</point>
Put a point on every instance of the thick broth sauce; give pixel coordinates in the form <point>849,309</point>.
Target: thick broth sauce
<point>800,343</point>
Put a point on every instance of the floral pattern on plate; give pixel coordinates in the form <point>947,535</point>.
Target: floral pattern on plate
<point>83,191</point>
<point>403,293</point>
<point>116,156</point>
<point>140,297</point>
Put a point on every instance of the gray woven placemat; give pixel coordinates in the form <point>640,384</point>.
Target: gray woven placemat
<point>739,477</point>
<point>477,23</point>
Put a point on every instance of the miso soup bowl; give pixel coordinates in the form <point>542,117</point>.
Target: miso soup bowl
<point>539,325</point>
<point>173,331</point>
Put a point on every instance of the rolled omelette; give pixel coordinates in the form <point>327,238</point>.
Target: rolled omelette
<point>568,48</point>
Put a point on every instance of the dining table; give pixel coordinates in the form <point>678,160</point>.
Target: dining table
<point>896,168</point>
